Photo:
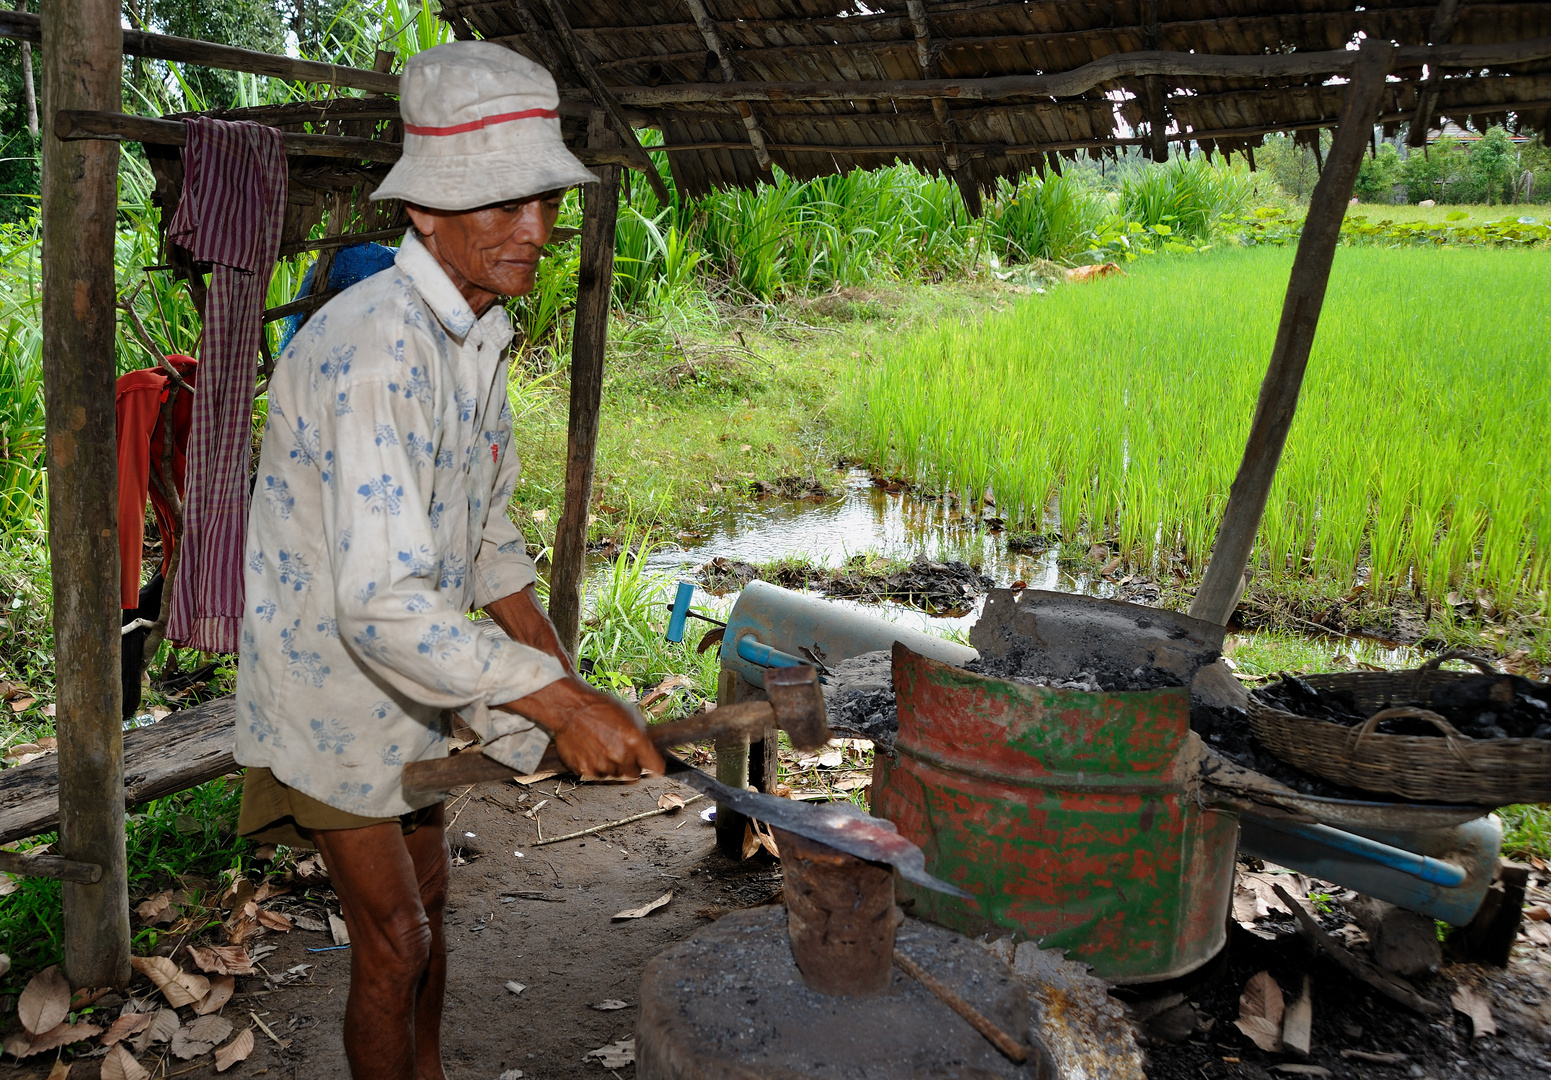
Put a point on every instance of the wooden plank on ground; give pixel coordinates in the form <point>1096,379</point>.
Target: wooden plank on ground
<point>172,755</point>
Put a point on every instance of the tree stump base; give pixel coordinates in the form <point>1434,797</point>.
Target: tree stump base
<point>729,1003</point>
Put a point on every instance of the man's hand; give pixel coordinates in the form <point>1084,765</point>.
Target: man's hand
<point>596,735</point>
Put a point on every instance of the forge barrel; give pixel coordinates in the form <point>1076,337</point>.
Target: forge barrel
<point>1072,817</point>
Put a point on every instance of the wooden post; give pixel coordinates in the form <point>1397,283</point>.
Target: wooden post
<point>1224,580</point>
<point>594,294</point>
<point>81,59</point>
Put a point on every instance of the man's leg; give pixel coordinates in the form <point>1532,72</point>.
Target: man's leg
<point>433,866</point>
<point>397,961</point>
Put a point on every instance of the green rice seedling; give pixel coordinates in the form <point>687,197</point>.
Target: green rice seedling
<point>1131,398</point>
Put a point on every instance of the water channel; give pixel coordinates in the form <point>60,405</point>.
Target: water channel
<point>866,518</point>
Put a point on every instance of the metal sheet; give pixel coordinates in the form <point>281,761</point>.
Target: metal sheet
<point>1061,635</point>
<point>840,825</point>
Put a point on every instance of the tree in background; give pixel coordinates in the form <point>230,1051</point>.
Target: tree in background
<point>19,172</point>
<point>1492,166</point>
<point>1291,164</point>
<point>1378,175</point>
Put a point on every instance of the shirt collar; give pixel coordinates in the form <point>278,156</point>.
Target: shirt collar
<point>437,289</point>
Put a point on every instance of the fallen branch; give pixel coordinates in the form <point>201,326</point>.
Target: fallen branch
<point>621,821</point>
<point>1392,987</point>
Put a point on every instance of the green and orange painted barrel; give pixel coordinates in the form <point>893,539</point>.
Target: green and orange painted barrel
<point>1073,818</point>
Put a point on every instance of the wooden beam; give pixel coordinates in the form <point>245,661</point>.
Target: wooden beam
<point>27,865</point>
<point>607,102</point>
<point>72,124</point>
<point>1087,77</point>
<point>24,27</point>
<point>82,66</point>
<point>1427,95</point>
<point>1224,579</point>
<point>969,191</point>
<point>594,297</point>
<point>714,42</point>
<point>174,754</point>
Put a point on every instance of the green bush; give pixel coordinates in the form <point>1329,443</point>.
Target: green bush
<point>1051,218</point>
<point>1378,175</point>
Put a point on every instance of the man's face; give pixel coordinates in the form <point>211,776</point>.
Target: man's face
<point>493,250</point>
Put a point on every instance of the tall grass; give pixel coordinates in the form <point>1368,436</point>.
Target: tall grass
<point>1122,407</point>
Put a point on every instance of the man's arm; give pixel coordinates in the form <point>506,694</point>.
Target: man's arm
<point>524,619</point>
<point>594,733</point>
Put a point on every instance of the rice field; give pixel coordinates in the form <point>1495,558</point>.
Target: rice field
<point>1118,411</point>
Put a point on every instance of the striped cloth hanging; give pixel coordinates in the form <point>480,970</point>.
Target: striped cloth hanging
<point>229,215</point>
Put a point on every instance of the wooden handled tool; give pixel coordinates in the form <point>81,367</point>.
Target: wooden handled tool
<point>795,705</point>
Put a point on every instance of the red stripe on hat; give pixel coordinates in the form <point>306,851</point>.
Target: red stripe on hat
<point>483,122</point>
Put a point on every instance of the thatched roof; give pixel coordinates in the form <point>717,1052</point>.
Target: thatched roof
<point>994,87</point>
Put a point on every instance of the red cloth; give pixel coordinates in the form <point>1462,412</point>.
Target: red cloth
<point>140,395</point>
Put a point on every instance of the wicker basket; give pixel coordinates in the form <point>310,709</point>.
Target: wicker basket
<point>1454,769</point>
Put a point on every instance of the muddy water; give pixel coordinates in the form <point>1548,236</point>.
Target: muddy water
<point>864,518</point>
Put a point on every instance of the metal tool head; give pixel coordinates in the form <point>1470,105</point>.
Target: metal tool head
<point>798,704</point>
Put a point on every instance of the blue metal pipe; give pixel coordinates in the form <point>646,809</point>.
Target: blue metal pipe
<point>1425,867</point>
<point>753,650</point>
<point>1442,873</point>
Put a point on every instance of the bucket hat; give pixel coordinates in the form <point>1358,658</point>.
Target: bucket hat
<point>481,126</point>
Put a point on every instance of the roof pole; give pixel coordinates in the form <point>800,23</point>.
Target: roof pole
<point>1224,581</point>
<point>594,295</point>
<point>81,59</point>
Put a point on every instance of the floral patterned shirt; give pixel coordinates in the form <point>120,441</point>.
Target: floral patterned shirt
<point>378,522</point>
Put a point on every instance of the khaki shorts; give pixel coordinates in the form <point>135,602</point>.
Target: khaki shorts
<point>273,813</point>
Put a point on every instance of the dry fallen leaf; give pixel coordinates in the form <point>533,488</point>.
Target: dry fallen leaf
<point>200,1036</point>
<point>515,987</point>
<point>340,931</point>
<point>156,909</point>
<point>178,987</point>
<point>17,1044</point>
<point>45,1002</point>
<point>237,894</point>
<point>5,965</point>
<point>125,1026</point>
<point>222,959</point>
<point>645,909</point>
<point>307,922</point>
<point>63,1035</point>
<point>610,1005</point>
<point>60,1071</point>
<point>22,704</point>
<point>274,920</point>
<point>1300,1070</point>
<point>234,1051</point>
<point>221,988</point>
<point>163,1023</point>
<point>1261,1008</point>
<point>120,1064</point>
<point>670,801</point>
<point>616,1055</point>
<point>1476,1006</point>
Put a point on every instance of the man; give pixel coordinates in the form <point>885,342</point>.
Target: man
<point>379,520</point>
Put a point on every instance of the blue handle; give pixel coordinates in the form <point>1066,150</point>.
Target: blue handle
<point>753,650</point>
<point>680,611</point>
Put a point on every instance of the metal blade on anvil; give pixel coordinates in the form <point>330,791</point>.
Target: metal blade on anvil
<point>840,825</point>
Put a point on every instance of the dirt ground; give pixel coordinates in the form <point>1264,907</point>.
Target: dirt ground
<point>544,920</point>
